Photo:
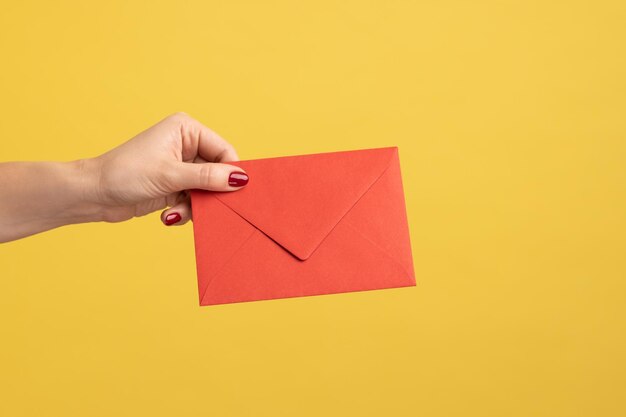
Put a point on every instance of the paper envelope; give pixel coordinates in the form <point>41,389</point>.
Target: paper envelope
<point>304,225</point>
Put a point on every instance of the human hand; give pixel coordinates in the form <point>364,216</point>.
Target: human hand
<point>155,169</point>
<point>150,172</point>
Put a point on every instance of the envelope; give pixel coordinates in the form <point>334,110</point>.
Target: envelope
<point>304,225</point>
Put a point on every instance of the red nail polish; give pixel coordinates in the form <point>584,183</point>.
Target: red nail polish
<point>172,218</point>
<point>237,179</point>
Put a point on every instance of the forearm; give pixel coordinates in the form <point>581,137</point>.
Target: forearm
<point>38,196</point>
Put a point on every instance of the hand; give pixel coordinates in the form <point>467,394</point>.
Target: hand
<point>150,172</point>
<point>155,168</point>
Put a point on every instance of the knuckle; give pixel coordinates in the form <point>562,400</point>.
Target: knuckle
<point>207,174</point>
<point>178,116</point>
<point>226,150</point>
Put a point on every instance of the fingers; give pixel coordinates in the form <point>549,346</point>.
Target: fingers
<point>178,214</point>
<point>200,140</point>
<point>206,176</point>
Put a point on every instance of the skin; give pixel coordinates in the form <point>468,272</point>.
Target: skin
<point>150,172</point>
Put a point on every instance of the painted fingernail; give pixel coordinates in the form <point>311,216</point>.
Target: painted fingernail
<point>172,218</point>
<point>237,179</point>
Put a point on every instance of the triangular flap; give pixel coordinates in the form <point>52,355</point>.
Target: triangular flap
<point>298,200</point>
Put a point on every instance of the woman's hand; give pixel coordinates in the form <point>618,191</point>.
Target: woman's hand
<point>155,168</point>
<point>150,172</point>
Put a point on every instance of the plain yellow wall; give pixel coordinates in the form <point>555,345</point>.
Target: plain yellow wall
<point>510,118</point>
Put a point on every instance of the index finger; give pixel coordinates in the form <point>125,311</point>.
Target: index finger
<point>199,140</point>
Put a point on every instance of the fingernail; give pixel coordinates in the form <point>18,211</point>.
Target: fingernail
<point>237,179</point>
<point>172,218</point>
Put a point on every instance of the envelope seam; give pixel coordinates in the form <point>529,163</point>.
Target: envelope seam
<point>219,271</point>
<point>257,228</point>
<point>364,236</point>
<point>352,207</point>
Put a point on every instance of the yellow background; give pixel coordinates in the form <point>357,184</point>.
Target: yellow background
<point>510,118</point>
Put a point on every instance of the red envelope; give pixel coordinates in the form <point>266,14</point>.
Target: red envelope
<point>304,225</point>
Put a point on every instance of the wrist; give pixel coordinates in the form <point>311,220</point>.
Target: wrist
<point>82,179</point>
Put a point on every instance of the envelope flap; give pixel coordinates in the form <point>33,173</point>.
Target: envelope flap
<point>298,200</point>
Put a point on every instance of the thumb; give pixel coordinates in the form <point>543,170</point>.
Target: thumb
<point>207,176</point>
